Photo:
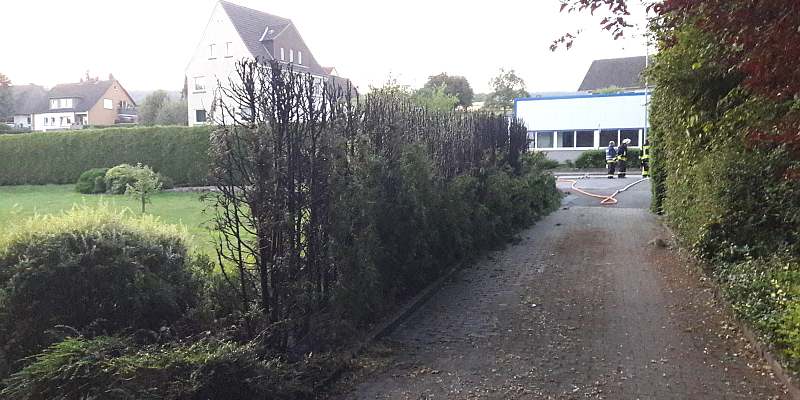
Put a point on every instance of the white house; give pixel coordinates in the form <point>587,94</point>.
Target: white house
<point>232,34</point>
<point>72,105</point>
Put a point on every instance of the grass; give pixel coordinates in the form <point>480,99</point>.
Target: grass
<point>18,203</point>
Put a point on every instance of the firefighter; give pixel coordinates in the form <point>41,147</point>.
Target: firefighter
<point>622,158</point>
<point>645,157</point>
<point>611,159</point>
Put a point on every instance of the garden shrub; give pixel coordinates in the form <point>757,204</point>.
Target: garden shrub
<point>591,159</point>
<point>119,177</point>
<point>94,270</point>
<point>124,368</point>
<point>92,181</point>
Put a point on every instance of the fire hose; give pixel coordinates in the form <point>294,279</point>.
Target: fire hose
<point>607,200</point>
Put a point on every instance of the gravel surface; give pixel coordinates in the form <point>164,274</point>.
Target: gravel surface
<point>591,303</point>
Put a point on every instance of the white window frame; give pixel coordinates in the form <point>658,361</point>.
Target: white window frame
<point>211,48</point>
<point>299,57</point>
<point>228,49</point>
<point>108,104</point>
<point>66,103</point>
<point>282,55</point>
<point>291,55</point>
<point>199,83</point>
<point>53,104</point>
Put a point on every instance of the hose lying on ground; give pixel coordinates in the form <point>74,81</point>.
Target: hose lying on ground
<point>607,200</point>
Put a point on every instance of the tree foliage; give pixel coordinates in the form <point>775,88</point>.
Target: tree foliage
<point>505,88</point>
<point>457,86</point>
<point>145,185</point>
<point>6,98</point>
<point>158,109</point>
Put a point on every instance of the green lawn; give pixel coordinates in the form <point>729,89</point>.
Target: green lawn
<point>20,202</point>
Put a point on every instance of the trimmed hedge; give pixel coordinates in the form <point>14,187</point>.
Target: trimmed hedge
<point>597,159</point>
<point>40,158</point>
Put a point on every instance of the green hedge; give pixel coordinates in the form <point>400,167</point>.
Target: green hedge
<point>597,159</point>
<point>40,158</point>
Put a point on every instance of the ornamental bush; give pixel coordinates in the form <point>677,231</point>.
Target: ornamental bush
<point>92,181</point>
<point>93,270</point>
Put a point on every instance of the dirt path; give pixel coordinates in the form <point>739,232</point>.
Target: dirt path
<point>582,308</point>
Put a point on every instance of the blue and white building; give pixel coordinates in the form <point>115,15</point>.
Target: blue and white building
<point>564,125</point>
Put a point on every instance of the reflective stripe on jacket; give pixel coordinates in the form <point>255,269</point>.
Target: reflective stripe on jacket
<point>645,153</point>
<point>611,153</point>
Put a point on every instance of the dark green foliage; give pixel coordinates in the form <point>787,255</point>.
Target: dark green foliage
<point>124,368</point>
<point>726,178</point>
<point>92,271</point>
<point>92,181</point>
<point>597,159</point>
<point>39,158</point>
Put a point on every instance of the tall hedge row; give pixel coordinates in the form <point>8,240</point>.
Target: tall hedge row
<point>726,177</point>
<point>39,158</point>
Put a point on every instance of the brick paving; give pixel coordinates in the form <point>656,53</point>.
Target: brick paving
<point>585,306</point>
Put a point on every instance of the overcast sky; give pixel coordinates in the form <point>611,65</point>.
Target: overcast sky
<point>147,44</point>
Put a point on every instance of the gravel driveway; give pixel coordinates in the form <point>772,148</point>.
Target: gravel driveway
<point>589,304</point>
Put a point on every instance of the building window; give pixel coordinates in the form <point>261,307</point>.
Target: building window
<point>565,139</point>
<point>200,115</point>
<point>45,121</point>
<point>299,57</point>
<point>66,103</point>
<point>584,139</point>
<point>544,140</point>
<point>53,103</point>
<point>229,49</point>
<point>53,121</point>
<point>282,55</point>
<point>246,114</point>
<point>108,104</point>
<point>291,55</point>
<point>212,51</point>
<point>199,83</point>
<point>607,136</point>
<point>632,134</point>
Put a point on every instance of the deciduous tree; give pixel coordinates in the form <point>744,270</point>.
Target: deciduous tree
<point>457,86</point>
<point>6,98</point>
<point>506,87</point>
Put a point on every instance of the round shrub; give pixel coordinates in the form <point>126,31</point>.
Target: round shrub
<point>94,270</point>
<point>92,181</point>
<point>118,178</point>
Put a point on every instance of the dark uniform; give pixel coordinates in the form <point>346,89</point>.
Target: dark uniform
<point>611,159</point>
<point>622,159</point>
<point>645,157</point>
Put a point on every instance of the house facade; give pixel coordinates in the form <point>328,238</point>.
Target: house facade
<point>72,105</point>
<point>27,99</point>
<point>234,33</point>
<point>564,125</point>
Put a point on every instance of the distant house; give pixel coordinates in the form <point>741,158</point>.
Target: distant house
<point>71,105</point>
<point>26,99</point>
<point>234,33</point>
<point>564,125</point>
